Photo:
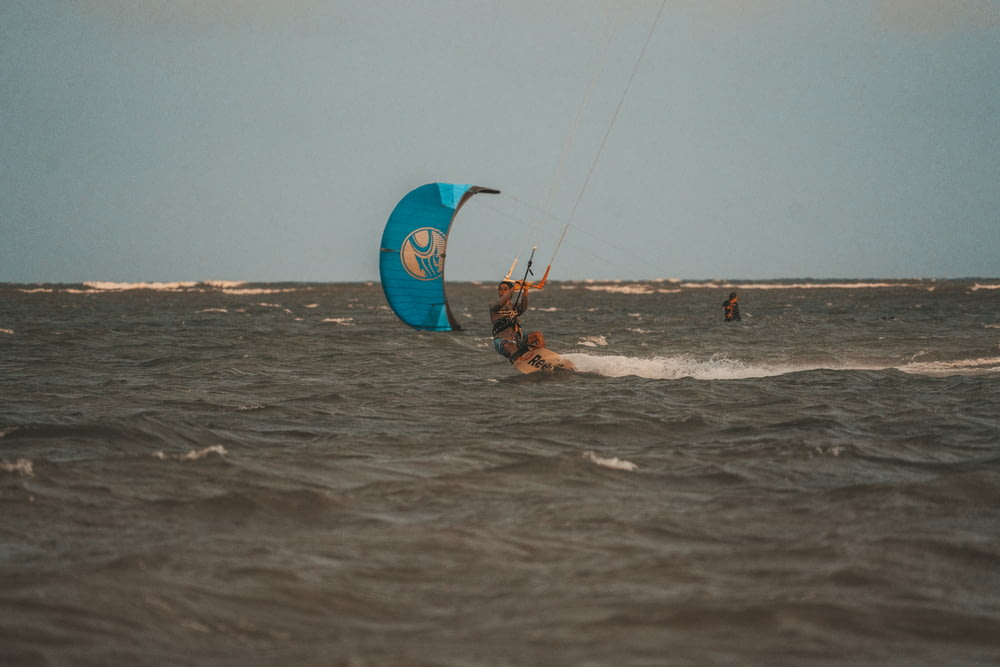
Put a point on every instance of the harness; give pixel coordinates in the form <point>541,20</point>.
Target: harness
<point>509,320</point>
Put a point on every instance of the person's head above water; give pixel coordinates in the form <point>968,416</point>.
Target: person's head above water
<point>505,284</point>
<point>732,295</point>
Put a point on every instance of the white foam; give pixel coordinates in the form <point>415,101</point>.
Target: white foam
<point>981,366</point>
<point>672,368</point>
<point>194,455</point>
<point>120,287</point>
<point>343,321</point>
<point>593,341</point>
<point>614,463</point>
<point>622,289</point>
<point>723,368</point>
<point>224,286</point>
<point>244,291</point>
<point>21,466</point>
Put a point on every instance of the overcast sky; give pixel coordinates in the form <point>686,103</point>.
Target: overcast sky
<point>168,140</point>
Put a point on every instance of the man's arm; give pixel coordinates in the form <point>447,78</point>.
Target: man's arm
<point>523,305</point>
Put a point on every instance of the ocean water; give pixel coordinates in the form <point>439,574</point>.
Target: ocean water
<point>284,474</point>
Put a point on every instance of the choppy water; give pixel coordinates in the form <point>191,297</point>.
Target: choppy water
<point>283,474</point>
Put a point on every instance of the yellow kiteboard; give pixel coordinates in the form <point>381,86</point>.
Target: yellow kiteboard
<point>540,358</point>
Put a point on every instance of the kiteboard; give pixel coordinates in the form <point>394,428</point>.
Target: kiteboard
<point>537,359</point>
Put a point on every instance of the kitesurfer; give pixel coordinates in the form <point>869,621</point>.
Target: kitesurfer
<point>505,313</point>
<point>731,308</point>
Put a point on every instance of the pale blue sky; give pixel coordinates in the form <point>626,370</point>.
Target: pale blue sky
<point>250,140</point>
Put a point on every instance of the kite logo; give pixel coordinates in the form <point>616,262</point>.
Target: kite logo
<point>422,253</point>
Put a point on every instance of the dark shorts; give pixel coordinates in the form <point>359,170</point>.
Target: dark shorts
<point>498,345</point>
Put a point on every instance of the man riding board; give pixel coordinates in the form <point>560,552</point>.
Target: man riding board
<point>505,314</point>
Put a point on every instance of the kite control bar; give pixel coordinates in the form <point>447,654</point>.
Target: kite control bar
<point>524,283</point>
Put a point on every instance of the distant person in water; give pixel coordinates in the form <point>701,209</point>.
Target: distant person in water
<point>505,313</point>
<point>731,308</point>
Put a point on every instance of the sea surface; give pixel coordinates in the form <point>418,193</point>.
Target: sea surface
<point>285,474</point>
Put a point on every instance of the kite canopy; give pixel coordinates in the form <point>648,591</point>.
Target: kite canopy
<point>411,258</point>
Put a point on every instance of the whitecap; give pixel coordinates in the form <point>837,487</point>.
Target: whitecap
<point>613,463</point>
<point>622,289</point>
<point>980,366</point>
<point>194,455</point>
<point>248,291</point>
<point>593,341</point>
<point>22,466</point>
<point>106,286</point>
<point>224,284</point>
